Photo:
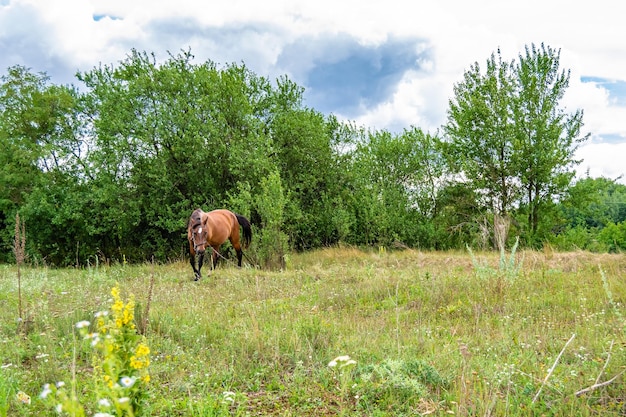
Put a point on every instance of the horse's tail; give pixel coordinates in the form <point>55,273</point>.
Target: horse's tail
<point>247,230</point>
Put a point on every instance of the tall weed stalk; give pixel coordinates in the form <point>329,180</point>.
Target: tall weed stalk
<point>508,266</point>
<point>19,246</point>
<point>609,296</point>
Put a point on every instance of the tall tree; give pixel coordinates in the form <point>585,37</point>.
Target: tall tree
<point>546,137</point>
<point>34,120</point>
<point>510,139</point>
<point>481,132</point>
<point>395,182</point>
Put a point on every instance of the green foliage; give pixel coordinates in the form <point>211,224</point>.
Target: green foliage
<point>397,384</point>
<point>7,391</point>
<point>270,205</point>
<point>509,137</point>
<point>613,236</point>
<point>110,171</point>
<point>395,185</point>
<point>592,216</point>
<point>455,221</point>
<point>120,359</point>
<point>594,202</point>
<point>38,137</point>
<point>577,238</point>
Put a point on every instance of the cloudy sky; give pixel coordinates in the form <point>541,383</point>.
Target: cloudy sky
<point>384,64</point>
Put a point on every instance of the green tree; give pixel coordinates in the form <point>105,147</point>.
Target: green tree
<point>40,141</point>
<point>546,137</point>
<point>395,185</point>
<point>481,133</point>
<point>593,203</point>
<point>510,140</point>
<point>173,137</point>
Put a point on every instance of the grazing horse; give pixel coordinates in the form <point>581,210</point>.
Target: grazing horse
<point>213,229</point>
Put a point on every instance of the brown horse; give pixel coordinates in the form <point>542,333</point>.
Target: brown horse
<point>213,229</point>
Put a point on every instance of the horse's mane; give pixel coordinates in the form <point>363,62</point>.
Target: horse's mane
<point>195,219</point>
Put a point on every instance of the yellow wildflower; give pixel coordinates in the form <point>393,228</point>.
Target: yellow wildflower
<point>140,359</point>
<point>142,350</point>
<point>108,381</point>
<point>115,292</point>
<point>129,312</point>
<point>138,363</point>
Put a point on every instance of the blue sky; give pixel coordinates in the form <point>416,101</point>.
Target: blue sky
<point>384,65</point>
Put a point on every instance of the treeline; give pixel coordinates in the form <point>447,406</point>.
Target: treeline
<point>112,170</point>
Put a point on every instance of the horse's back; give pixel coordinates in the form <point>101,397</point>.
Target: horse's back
<point>222,215</point>
<point>222,224</point>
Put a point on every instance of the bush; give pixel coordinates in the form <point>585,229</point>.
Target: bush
<point>613,237</point>
<point>578,238</point>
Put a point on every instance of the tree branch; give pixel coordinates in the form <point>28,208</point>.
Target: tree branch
<point>600,385</point>
<point>552,369</point>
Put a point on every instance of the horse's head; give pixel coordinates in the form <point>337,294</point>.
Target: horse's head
<point>198,232</point>
<point>198,237</point>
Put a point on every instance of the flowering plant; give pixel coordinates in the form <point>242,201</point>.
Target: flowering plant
<point>343,365</point>
<point>120,363</point>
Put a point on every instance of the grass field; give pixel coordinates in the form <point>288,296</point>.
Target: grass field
<point>432,333</point>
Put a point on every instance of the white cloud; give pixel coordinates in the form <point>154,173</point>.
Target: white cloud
<point>602,160</point>
<point>418,101</point>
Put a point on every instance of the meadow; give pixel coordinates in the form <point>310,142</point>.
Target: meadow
<point>340,331</point>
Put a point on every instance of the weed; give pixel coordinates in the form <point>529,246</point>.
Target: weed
<point>120,365</point>
<point>343,365</point>
<point>19,249</point>
<point>508,267</point>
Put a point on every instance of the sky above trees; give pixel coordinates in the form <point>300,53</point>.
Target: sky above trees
<point>385,65</point>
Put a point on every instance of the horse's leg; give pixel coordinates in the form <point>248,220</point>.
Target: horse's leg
<point>237,246</point>
<point>239,256</point>
<point>200,260</point>
<point>214,257</point>
<point>192,261</point>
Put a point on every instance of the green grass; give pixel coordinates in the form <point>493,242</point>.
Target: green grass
<point>431,333</point>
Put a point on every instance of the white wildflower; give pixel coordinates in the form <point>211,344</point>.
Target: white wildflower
<point>82,324</point>
<point>103,402</point>
<point>45,392</point>
<point>342,361</point>
<point>127,381</point>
